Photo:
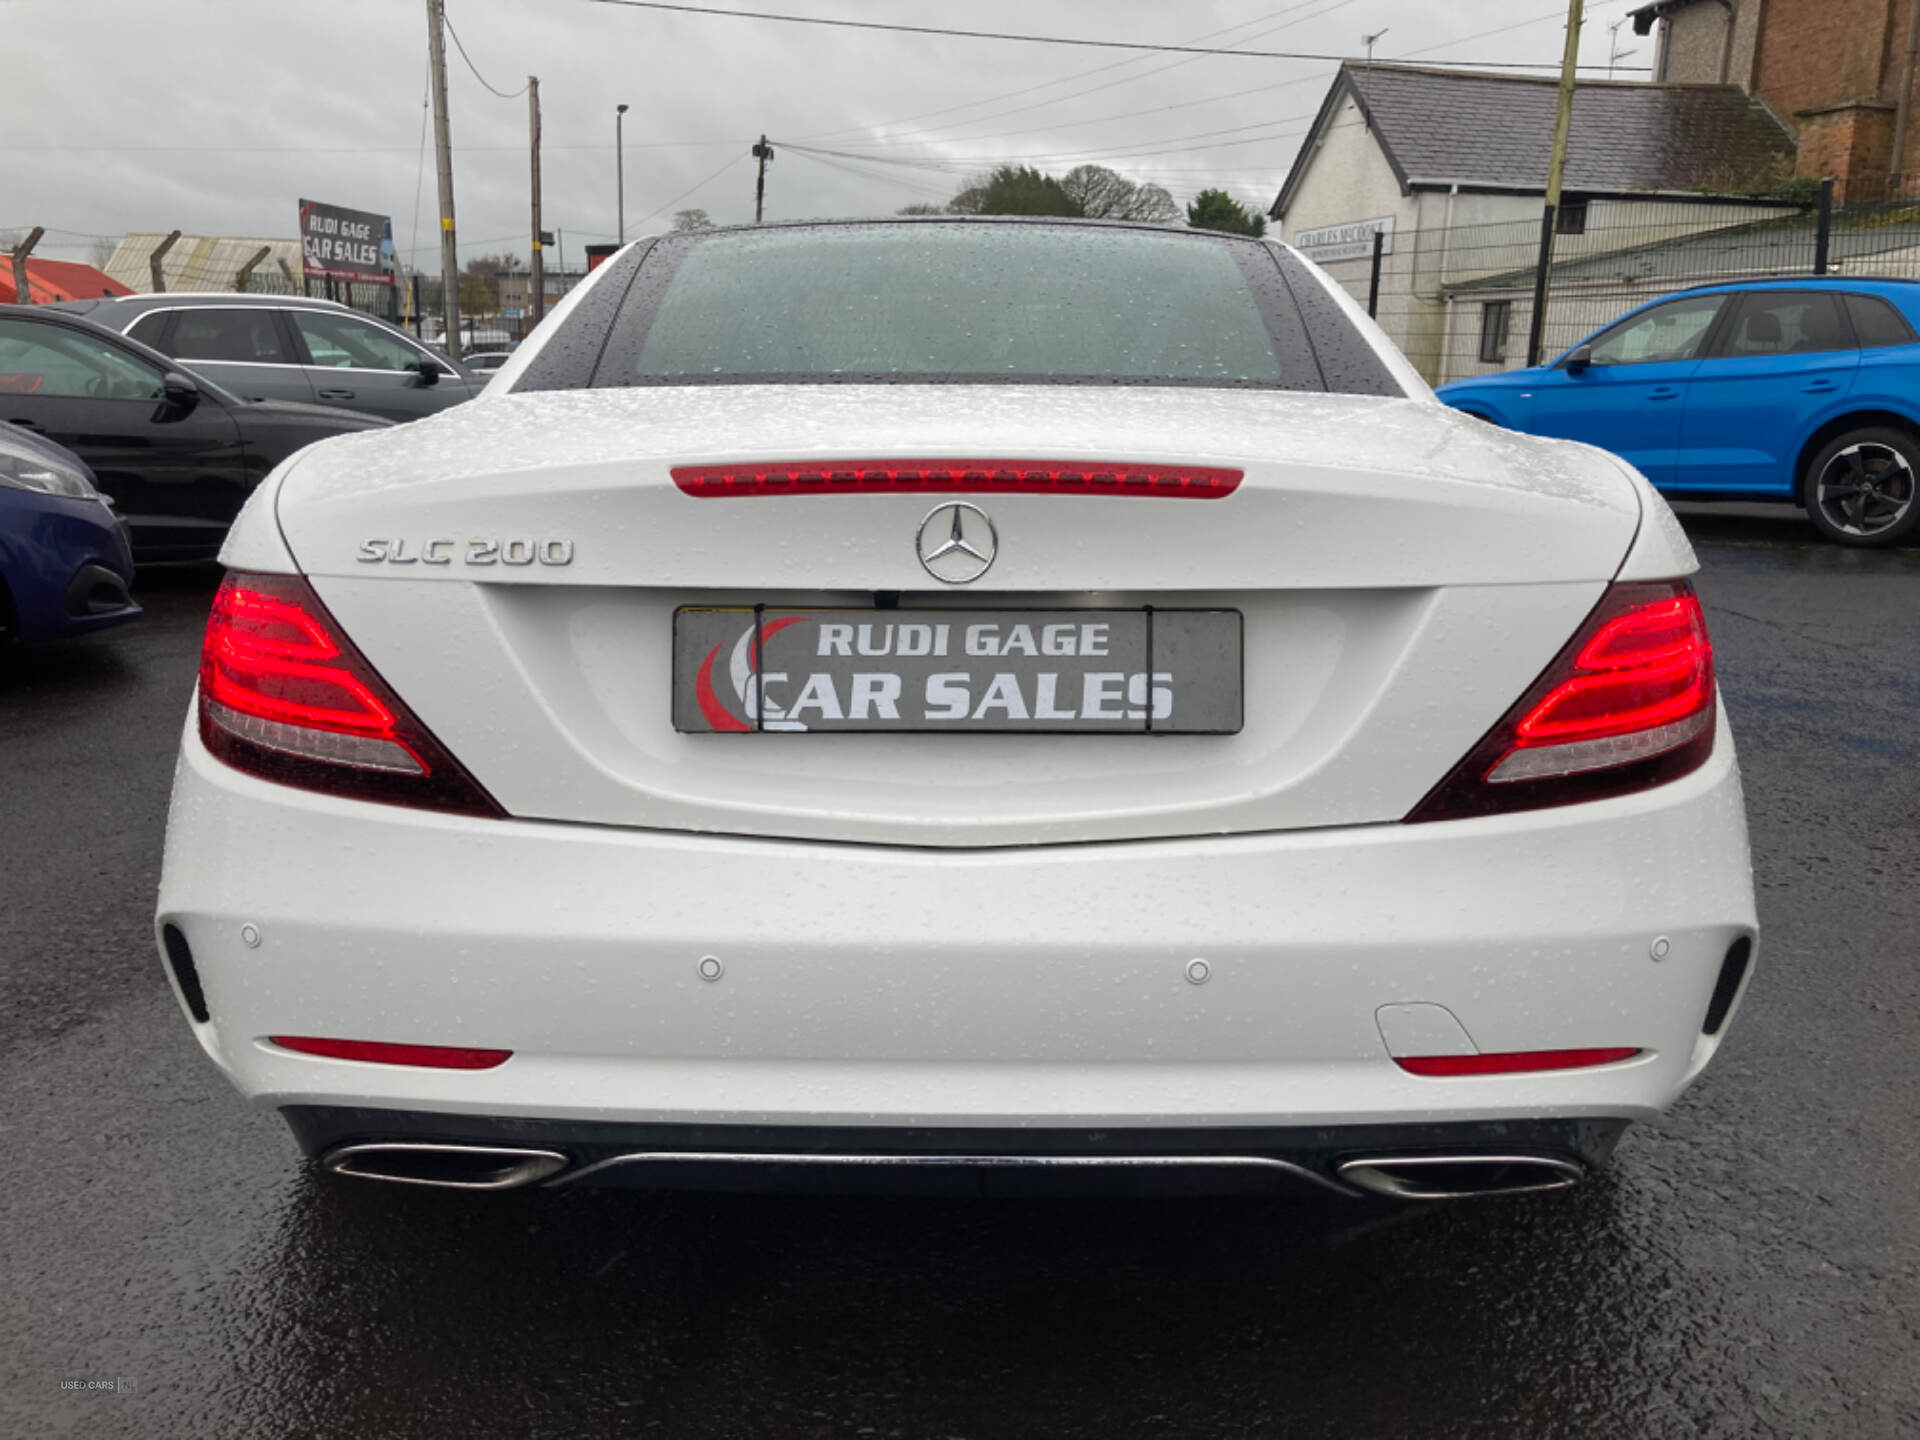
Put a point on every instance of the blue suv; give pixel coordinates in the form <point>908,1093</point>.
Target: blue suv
<point>1805,390</point>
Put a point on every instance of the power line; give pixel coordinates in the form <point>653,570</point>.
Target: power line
<point>1160,69</point>
<point>476,69</point>
<point>1043,85</point>
<point>1558,14</point>
<point>734,160</point>
<point>1083,41</point>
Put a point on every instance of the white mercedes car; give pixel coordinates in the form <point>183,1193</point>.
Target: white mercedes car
<point>958,702</point>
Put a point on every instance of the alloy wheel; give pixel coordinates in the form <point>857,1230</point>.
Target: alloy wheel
<point>1866,489</point>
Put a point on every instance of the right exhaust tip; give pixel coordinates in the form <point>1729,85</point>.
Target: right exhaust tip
<point>1457,1177</point>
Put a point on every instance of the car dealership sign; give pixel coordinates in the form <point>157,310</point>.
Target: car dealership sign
<point>339,244</point>
<point>1352,241</point>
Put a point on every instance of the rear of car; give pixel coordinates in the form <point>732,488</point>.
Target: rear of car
<point>968,697</point>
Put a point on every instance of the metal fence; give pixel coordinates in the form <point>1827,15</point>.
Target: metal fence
<point>1459,300</point>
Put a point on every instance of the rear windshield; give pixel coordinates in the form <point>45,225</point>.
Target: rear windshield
<point>959,303</point>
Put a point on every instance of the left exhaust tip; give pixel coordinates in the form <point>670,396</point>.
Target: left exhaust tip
<point>450,1167</point>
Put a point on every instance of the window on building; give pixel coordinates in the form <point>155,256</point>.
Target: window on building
<point>1571,217</point>
<point>1496,319</point>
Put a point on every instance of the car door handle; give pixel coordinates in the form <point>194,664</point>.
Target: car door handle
<point>23,423</point>
<point>1664,392</point>
<point>336,394</point>
<point>1818,387</point>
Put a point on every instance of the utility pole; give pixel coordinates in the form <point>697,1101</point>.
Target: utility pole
<point>620,169</point>
<point>539,259</point>
<point>443,156</point>
<point>762,152</point>
<point>1371,40</point>
<point>1556,167</point>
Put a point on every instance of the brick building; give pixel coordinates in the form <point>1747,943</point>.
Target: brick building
<point>1838,73</point>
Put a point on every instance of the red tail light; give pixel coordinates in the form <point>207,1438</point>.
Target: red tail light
<point>285,696</point>
<point>1514,1062</point>
<point>1627,705</point>
<point>380,1052</point>
<point>1038,477</point>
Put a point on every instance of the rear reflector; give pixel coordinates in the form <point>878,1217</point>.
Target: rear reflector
<point>1628,704</point>
<point>374,1052</point>
<point>1514,1062</point>
<point>1033,477</point>
<point>285,696</point>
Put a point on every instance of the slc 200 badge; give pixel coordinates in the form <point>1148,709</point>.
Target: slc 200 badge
<point>444,551</point>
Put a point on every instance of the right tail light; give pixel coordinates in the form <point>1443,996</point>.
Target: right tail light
<point>1628,704</point>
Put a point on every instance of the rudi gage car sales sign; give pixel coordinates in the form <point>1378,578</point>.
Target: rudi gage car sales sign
<point>339,244</point>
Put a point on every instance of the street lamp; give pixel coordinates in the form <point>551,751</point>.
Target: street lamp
<point>620,169</point>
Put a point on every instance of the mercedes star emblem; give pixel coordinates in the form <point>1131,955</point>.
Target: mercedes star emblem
<point>957,542</point>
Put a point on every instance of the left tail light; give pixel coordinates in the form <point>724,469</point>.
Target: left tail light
<point>1628,704</point>
<point>285,695</point>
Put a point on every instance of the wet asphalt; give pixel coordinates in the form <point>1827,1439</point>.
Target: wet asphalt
<point>1750,1266</point>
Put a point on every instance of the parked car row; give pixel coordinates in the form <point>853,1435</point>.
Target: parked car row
<point>1805,390</point>
<point>136,427</point>
<point>177,452</point>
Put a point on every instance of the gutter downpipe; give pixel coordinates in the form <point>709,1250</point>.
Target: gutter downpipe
<point>1446,314</point>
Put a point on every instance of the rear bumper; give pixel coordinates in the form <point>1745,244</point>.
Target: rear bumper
<point>882,988</point>
<point>949,1161</point>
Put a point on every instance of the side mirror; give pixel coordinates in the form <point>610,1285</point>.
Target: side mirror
<point>1579,358</point>
<point>180,389</point>
<point>425,372</point>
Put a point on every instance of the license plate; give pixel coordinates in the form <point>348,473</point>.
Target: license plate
<point>1127,672</point>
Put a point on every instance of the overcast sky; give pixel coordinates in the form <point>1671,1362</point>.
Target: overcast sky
<point>218,116</point>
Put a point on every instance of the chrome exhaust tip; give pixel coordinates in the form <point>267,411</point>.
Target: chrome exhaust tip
<point>1456,1177</point>
<point>450,1167</point>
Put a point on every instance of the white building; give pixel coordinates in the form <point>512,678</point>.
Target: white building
<point>1451,165</point>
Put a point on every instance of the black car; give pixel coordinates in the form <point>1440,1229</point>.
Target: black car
<point>292,347</point>
<point>178,454</point>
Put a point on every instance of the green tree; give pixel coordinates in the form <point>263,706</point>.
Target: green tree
<point>1217,210</point>
<point>921,207</point>
<point>1015,190</point>
<point>1103,194</point>
<point>480,283</point>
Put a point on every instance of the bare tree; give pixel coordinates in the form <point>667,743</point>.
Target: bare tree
<point>684,220</point>
<point>1104,195</point>
<point>921,207</point>
<point>101,251</point>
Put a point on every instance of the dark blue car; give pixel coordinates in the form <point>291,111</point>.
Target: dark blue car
<point>1805,390</point>
<point>65,567</point>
